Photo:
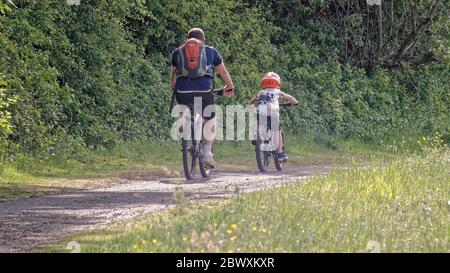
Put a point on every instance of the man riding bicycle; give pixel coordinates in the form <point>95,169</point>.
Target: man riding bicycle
<point>192,75</point>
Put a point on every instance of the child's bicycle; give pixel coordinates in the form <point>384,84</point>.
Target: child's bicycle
<point>269,153</point>
<point>192,149</point>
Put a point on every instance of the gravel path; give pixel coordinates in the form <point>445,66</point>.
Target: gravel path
<point>31,222</point>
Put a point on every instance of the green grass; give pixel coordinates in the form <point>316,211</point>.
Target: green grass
<point>400,207</point>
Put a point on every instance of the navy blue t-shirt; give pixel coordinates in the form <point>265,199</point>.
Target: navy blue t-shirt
<point>200,84</point>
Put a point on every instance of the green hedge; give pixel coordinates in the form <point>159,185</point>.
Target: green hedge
<point>86,77</point>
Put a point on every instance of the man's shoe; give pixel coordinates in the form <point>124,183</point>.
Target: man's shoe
<point>208,160</point>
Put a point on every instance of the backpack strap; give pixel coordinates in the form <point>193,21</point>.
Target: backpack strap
<point>212,68</point>
<point>181,70</point>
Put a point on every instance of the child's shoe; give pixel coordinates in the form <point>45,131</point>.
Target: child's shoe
<point>282,157</point>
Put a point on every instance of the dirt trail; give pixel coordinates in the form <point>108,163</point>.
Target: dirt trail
<point>31,222</point>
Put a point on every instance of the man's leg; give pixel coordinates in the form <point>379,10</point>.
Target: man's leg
<point>209,135</point>
<point>209,129</point>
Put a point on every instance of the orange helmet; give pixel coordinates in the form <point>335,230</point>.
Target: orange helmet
<point>271,80</point>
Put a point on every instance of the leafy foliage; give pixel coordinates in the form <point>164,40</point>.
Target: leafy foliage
<point>90,76</point>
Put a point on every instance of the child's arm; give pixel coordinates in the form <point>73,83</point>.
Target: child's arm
<point>290,99</point>
<point>252,101</point>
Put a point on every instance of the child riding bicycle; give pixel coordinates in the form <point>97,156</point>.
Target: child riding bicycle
<point>269,97</point>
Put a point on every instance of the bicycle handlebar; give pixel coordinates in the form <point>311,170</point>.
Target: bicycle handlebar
<point>219,92</point>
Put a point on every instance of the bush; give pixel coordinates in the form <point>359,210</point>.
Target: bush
<point>93,75</point>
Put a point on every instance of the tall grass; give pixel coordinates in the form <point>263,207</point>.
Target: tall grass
<point>401,207</point>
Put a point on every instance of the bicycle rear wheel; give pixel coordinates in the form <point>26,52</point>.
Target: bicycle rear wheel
<point>190,154</point>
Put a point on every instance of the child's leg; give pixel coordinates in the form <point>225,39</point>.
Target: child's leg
<point>277,141</point>
<point>280,142</point>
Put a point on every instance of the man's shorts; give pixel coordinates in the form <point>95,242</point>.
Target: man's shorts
<point>207,98</point>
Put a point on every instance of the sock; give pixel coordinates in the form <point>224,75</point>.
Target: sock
<point>207,148</point>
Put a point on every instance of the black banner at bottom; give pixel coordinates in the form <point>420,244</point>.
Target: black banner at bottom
<point>220,262</point>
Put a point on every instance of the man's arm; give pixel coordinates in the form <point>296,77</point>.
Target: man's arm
<point>252,101</point>
<point>225,75</point>
<point>173,76</point>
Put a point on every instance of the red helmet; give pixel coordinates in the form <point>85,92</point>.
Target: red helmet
<point>271,80</point>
